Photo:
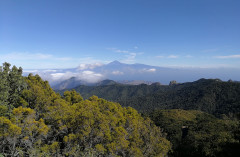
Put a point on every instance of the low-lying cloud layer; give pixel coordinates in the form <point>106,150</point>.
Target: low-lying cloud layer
<point>148,70</point>
<point>87,76</point>
<point>57,75</point>
<point>93,73</point>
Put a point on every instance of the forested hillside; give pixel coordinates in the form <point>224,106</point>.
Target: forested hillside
<point>209,95</point>
<point>35,121</point>
<point>118,92</point>
<point>195,133</point>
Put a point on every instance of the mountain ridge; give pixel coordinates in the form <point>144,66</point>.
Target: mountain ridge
<point>209,95</point>
<point>117,71</point>
<point>74,82</point>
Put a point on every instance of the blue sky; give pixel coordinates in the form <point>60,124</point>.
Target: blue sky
<point>173,33</point>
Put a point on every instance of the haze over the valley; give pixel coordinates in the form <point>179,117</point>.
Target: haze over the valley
<point>93,73</point>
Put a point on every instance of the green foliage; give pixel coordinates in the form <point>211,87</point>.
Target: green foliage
<point>3,110</point>
<point>11,85</point>
<point>42,123</point>
<point>105,128</point>
<point>195,133</point>
<point>72,96</point>
<point>38,94</point>
<point>173,82</point>
<point>35,121</point>
<point>22,132</point>
<point>4,83</point>
<point>209,95</point>
<point>117,91</point>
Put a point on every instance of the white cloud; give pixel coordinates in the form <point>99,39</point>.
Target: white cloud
<point>88,72</point>
<point>117,73</point>
<point>228,57</point>
<point>173,56</point>
<point>60,76</point>
<point>88,76</point>
<point>30,71</point>
<point>152,70</point>
<point>89,66</point>
<point>148,70</point>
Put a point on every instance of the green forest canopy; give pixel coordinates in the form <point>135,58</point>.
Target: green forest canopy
<point>209,95</point>
<point>36,121</point>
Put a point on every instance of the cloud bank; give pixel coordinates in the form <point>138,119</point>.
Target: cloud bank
<point>228,57</point>
<point>87,76</point>
<point>148,70</point>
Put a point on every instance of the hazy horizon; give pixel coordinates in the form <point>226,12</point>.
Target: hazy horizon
<point>117,71</point>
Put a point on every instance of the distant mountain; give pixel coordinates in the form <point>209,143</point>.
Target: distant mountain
<point>70,83</point>
<point>135,82</point>
<point>74,82</point>
<point>105,83</point>
<point>209,95</point>
<point>117,71</point>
